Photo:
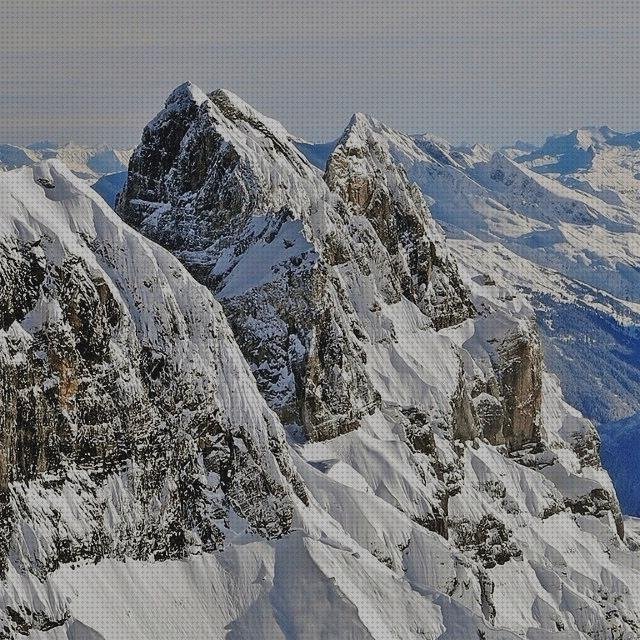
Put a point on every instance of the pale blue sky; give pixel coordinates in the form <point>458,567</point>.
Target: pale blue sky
<point>476,70</point>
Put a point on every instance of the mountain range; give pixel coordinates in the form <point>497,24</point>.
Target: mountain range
<point>268,397</point>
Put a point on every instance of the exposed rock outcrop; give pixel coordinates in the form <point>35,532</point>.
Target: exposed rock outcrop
<point>291,262</point>
<point>508,402</point>
<point>130,425</point>
<point>361,170</point>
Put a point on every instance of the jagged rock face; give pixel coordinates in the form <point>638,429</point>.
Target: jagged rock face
<point>22,273</point>
<point>520,374</point>
<point>508,399</point>
<point>362,171</point>
<point>230,195</point>
<point>165,172</point>
<point>130,425</point>
<point>366,168</point>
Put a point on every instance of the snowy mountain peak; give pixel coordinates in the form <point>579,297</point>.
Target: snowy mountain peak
<point>585,137</point>
<point>581,138</point>
<point>235,108</point>
<point>186,93</point>
<point>575,152</point>
<point>38,145</point>
<point>360,133</point>
<point>85,162</point>
<point>361,121</point>
<point>363,172</point>
<point>183,102</point>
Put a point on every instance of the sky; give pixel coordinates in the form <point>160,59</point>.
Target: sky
<point>492,71</point>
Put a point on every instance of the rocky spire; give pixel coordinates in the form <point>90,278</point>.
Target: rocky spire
<point>254,221</point>
<point>362,171</point>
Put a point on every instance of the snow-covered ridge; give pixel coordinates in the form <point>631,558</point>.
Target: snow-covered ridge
<point>133,427</point>
<point>86,162</point>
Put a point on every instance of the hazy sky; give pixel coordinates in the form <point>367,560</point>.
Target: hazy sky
<point>488,70</point>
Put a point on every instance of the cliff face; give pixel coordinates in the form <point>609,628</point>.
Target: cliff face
<point>361,170</point>
<point>222,188</point>
<point>520,374</point>
<point>130,424</point>
<point>506,406</point>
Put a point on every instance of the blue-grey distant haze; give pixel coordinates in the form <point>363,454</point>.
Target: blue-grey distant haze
<point>472,70</point>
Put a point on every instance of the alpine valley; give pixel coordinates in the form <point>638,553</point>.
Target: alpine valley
<point>264,398</point>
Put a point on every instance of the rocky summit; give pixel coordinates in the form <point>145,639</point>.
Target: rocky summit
<point>268,400</point>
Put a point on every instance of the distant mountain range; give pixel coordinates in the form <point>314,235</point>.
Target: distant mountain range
<point>85,162</point>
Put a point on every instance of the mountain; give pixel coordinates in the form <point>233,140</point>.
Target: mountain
<point>12,157</point>
<point>418,410</point>
<point>279,254</point>
<point>361,440</point>
<point>105,168</point>
<point>596,160</point>
<point>131,425</point>
<point>572,254</point>
<point>141,469</point>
